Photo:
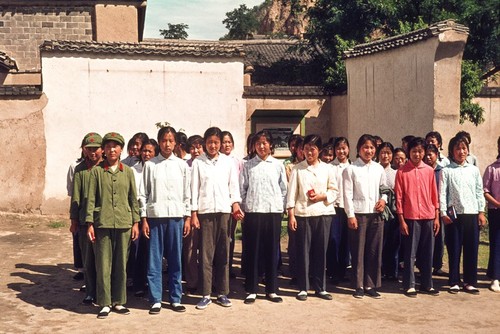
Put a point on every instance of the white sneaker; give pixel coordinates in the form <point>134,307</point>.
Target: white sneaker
<point>495,286</point>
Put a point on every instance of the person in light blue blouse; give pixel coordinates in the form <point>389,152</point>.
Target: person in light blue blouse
<point>462,206</point>
<point>263,192</point>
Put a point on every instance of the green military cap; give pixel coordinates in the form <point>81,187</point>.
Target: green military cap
<point>114,136</point>
<point>92,139</point>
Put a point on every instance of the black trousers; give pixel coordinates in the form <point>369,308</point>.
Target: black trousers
<point>313,234</point>
<point>463,233</point>
<point>262,241</point>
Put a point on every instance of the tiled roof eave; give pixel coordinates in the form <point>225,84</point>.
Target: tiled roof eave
<point>489,92</point>
<point>405,39</point>
<point>283,91</point>
<point>169,49</point>
<point>25,90</point>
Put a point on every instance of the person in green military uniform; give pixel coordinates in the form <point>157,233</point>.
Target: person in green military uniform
<point>92,149</point>
<point>113,220</point>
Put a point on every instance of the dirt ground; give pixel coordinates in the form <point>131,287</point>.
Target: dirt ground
<point>38,295</point>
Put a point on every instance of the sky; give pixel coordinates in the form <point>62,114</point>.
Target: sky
<point>204,17</point>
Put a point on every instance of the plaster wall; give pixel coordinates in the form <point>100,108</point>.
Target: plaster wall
<point>130,95</point>
<point>391,93</point>
<point>339,116</point>
<point>485,135</point>
<point>22,155</point>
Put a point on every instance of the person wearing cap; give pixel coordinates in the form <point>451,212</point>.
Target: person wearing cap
<point>77,253</point>
<point>92,151</point>
<point>112,218</point>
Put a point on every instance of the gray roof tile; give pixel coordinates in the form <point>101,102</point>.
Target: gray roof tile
<point>170,48</point>
<point>405,39</point>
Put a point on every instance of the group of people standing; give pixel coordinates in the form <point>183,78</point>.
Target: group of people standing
<point>163,202</point>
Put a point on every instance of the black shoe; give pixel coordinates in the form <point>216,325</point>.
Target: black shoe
<point>78,276</point>
<point>155,309</point>
<point>302,297</point>
<point>430,292</point>
<point>454,289</point>
<point>121,310</point>
<point>373,293</point>
<point>103,313</point>
<point>324,295</point>
<point>471,289</point>
<point>439,272</point>
<point>412,293</point>
<point>88,300</point>
<point>272,297</point>
<point>359,293</point>
<point>250,299</point>
<point>178,308</point>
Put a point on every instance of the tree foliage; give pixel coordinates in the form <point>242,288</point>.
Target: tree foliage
<point>337,24</point>
<point>241,22</point>
<point>175,31</point>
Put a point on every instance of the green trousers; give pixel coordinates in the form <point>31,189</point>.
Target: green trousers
<point>111,253</point>
<point>87,249</point>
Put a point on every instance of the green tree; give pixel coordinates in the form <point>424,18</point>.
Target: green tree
<point>241,21</point>
<point>175,31</point>
<point>337,24</point>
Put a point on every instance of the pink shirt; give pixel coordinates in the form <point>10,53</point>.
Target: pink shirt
<point>491,181</point>
<point>416,193</point>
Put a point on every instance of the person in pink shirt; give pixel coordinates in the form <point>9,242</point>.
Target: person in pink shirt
<point>417,207</point>
<point>491,186</point>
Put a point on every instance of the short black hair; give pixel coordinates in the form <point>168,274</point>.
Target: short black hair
<point>213,131</point>
<point>340,140</point>
<point>363,139</point>
<point>454,142</point>
<point>164,130</point>
<point>384,145</point>
<point>266,134</point>
<point>417,141</point>
<point>313,140</point>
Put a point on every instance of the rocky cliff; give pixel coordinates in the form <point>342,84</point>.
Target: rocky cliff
<point>285,17</point>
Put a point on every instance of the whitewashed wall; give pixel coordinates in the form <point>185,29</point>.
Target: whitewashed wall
<point>130,95</point>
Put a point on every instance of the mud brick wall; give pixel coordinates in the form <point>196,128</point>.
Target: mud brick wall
<point>23,29</point>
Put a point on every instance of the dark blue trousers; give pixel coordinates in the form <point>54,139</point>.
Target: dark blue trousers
<point>337,255</point>
<point>463,233</point>
<point>494,229</point>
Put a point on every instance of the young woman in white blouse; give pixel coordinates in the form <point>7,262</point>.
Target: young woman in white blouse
<point>164,204</point>
<point>214,194</point>
<point>462,206</point>
<point>312,191</point>
<point>337,255</point>
<point>392,235</point>
<point>263,192</point>
<point>363,204</point>
<point>227,147</point>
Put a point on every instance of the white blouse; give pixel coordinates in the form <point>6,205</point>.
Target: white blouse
<point>164,191</point>
<point>362,183</point>
<point>214,184</point>
<point>305,177</point>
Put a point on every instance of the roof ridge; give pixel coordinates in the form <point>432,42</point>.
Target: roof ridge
<point>404,39</point>
<point>169,48</point>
